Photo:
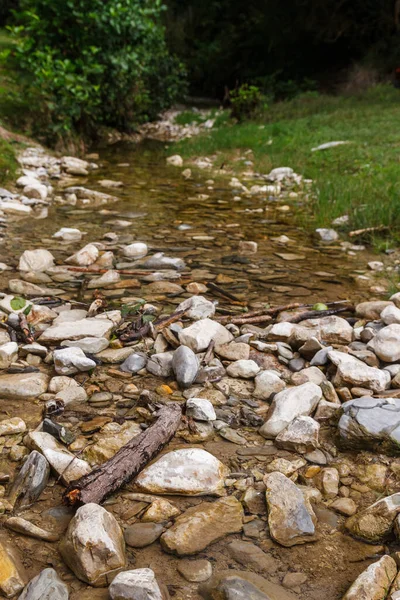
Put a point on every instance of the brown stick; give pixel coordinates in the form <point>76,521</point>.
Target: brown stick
<point>319,314</point>
<point>100,483</point>
<point>97,271</point>
<point>357,232</point>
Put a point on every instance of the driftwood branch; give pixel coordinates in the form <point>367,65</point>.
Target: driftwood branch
<point>319,314</point>
<point>106,479</point>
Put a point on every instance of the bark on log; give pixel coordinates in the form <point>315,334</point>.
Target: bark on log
<point>104,480</point>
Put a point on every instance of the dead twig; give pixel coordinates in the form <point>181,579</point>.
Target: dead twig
<point>319,314</point>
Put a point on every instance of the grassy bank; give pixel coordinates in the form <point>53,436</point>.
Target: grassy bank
<point>361,179</point>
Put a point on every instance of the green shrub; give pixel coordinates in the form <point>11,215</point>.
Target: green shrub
<point>92,62</point>
<point>245,101</point>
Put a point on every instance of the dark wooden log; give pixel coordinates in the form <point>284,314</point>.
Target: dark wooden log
<point>104,480</point>
<point>319,314</point>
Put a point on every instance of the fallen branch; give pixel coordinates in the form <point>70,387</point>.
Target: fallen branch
<point>106,479</point>
<point>357,232</point>
<point>97,271</point>
<point>319,314</point>
<point>215,288</point>
<point>270,312</point>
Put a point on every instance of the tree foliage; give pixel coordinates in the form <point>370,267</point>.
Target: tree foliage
<point>226,42</point>
<point>92,62</point>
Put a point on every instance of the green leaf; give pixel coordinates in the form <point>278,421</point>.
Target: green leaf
<point>17,303</point>
<point>28,310</point>
<point>148,318</point>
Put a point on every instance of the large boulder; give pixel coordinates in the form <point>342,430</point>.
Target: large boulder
<point>94,546</point>
<point>23,386</point>
<point>293,402</point>
<point>372,423</point>
<point>202,525</point>
<point>186,472</point>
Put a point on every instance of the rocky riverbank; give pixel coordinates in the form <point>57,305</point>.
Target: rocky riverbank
<point>282,480</point>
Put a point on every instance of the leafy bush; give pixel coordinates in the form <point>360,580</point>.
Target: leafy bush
<point>245,100</point>
<point>94,62</point>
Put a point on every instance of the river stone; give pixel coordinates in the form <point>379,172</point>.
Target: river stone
<point>140,535</point>
<point>374,582</point>
<point>68,234</point>
<point>197,307</point>
<point>45,586</point>
<point>185,366</point>
<point>76,330</point>
<point>111,439</point>
<point>108,278</point>
<point>195,571</point>
<point>200,409</point>
<point>85,257</point>
<point>160,261</point>
<point>327,235</point>
<point>36,260</point>
<point>199,335</point>
<point>134,363</point>
<point>138,584</point>
<point>12,426</point>
<point>390,315</point>
<point>30,481</point>
<point>160,364</point>
<point>233,351</point>
<point>12,573</point>
<point>186,472</point>
<point>372,310</point>
<point>202,525</point>
<point>87,197</point>
<point>268,383</point>
<point>59,458</point>
<point>369,422</point>
<point>23,386</point>
<point>327,481</point>
<point>160,511</point>
<point>67,390</point>
<point>114,356</point>
<point>69,361</point>
<point>250,555</point>
<point>375,523</point>
<point>344,506</point>
<point>93,547</point>
<point>386,343</point>
<point>8,354</point>
<point>291,519</point>
<point>90,345</point>
<point>301,436</point>
<point>246,369</point>
<point>136,250</point>
<point>356,373</point>
<point>293,402</point>
<point>242,585</point>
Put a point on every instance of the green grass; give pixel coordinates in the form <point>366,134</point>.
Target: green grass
<point>192,117</point>
<point>361,179</point>
<point>8,163</point>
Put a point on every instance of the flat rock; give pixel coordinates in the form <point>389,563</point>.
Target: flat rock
<point>92,345</point>
<point>186,472</point>
<point>23,386</point>
<point>293,402</point>
<point>76,330</point>
<point>372,310</point>
<point>291,519</point>
<point>36,260</point>
<point>373,583</point>
<point>93,546</point>
<point>68,361</point>
<point>246,369</point>
<point>12,573</point>
<point>202,525</point>
<point>30,481</point>
<point>45,586</point>
<point>197,307</point>
<point>250,555</point>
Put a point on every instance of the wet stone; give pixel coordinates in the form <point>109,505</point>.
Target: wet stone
<point>30,481</point>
